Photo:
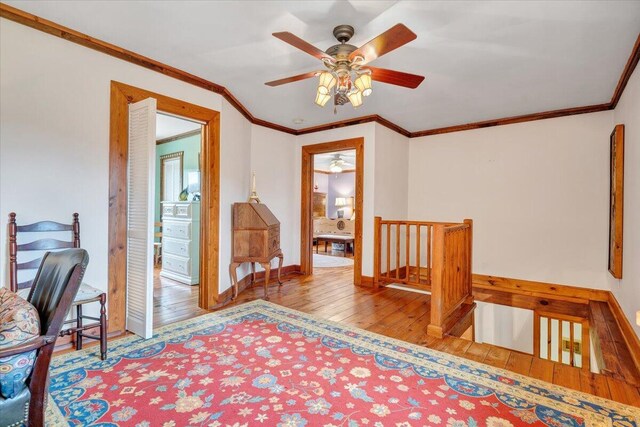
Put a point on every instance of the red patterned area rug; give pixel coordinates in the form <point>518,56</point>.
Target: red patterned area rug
<point>259,364</point>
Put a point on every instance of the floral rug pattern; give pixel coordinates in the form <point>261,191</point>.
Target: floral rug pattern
<point>260,364</point>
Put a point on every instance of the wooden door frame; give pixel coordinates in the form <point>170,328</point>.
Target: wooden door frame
<point>121,96</point>
<point>306,223</point>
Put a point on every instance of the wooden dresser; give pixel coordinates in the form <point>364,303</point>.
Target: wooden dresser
<point>181,242</point>
<point>256,238</point>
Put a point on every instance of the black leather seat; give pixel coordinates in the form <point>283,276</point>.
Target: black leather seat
<point>53,290</point>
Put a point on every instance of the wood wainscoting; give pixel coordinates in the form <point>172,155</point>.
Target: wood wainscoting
<point>121,96</point>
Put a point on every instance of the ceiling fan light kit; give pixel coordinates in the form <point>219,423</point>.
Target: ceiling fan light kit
<point>346,79</point>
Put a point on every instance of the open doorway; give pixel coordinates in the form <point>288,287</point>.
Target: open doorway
<point>131,203</point>
<point>177,201</point>
<point>332,200</point>
<point>334,193</point>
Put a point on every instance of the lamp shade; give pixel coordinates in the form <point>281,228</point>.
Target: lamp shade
<point>363,83</point>
<point>326,82</point>
<point>341,202</point>
<point>355,97</point>
<point>321,99</point>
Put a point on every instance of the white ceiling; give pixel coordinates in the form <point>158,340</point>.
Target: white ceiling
<point>482,60</point>
<point>167,126</point>
<point>321,162</point>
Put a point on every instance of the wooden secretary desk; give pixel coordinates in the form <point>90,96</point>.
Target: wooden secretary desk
<point>256,238</point>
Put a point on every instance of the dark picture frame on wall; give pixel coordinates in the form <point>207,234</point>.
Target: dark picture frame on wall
<point>616,200</point>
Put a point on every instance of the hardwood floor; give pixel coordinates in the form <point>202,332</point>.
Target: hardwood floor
<point>173,301</point>
<point>400,314</point>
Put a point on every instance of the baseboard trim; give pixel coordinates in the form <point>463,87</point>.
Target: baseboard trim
<point>225,297</point>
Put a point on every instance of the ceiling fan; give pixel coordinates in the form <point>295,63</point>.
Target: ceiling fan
<point>338,164</point>
<point>348,74</point>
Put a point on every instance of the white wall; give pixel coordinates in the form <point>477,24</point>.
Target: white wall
<point>54,138</point>
<point>391,174</point>
<point>273,159</point>
<point>235,176</point>
<point>537,192</point>
<point>627,290</point>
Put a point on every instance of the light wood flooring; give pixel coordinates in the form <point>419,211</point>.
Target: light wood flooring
<point>173,301</point>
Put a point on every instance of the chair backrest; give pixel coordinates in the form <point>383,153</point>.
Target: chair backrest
<point>54,289</point>
<point>45,244</point>
<point>55,286</point>
<point>158,226</point>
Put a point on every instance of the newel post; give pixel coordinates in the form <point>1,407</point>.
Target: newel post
<point>435,327</point>
<point>377,249</point>
<point>470,254</point>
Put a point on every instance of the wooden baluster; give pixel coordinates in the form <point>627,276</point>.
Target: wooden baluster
<point>586,348</point>
<point>388,250</point>
<point>398,251</point>
<point>536,334</point>
<point>377,247</point>
<point>548,338</point>
<point>560,341</point>
<point>418,252</point>
<point>428,254</point>
<point>571,355</point>
<point>407,253</point>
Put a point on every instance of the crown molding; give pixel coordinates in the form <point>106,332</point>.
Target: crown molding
<point>183,135</point>
<point>33,21</point>
<point>626,73</point>
<point>515,119</point>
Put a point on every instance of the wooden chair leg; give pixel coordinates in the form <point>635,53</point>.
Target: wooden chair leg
<point>79,326</point>
<point>103,326</point>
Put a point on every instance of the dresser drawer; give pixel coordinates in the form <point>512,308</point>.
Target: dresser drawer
<point>176,264</point>
<point>176,247</point>
<point>168,210</point>
<point>184,211</point>
<point>180,230</point>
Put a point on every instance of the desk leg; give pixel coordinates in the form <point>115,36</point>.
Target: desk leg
<point>253,274</point>
<point>280,260</point>
<point>267,274</point>
<point>234,278</point>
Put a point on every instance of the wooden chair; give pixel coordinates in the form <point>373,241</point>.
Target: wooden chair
<point>157,246</point>
<point>54,289</point>
<point>87,294</point>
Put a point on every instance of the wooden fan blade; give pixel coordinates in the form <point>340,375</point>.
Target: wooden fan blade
<point>397,78</point>
<point>296,41</point>
<point>292,79</point>
<point>391,39</point>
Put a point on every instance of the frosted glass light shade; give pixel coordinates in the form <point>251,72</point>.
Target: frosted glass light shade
<point>325,83</point>
<point>355,97</point>
<point>341,202</point>
<point>363,83</point>
<point>322,99</point>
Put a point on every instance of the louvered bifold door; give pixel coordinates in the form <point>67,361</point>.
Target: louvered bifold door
<point>140,216</point>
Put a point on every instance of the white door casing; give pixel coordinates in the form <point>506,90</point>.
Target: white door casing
<point>140,216</point>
